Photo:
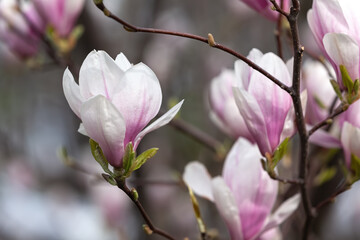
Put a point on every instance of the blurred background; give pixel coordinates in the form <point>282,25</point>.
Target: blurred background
<point>42,198</point>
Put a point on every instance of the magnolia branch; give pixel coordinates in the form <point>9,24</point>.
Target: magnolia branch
<point>298,50</point>
<point>329,119</point>
<point>210,40</point>
<point>150,228</point>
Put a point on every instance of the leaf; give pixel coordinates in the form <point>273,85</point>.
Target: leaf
<point>128,158</point>
<point>99,156</point>
<point>346,79</point>
<point>109,179</point>
<point>337,90</point>
<point>355,167</point>
<point>279,153</point>
<point>142,158</point>
<point>196,208</point>
<point>325,175</point>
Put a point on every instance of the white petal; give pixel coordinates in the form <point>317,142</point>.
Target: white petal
<point>343,50</point>
<point>198,179</point>
<point>282,213</point>
<point>138,98</point>
<point>324,139</point>
<point>350,137</point>
<point>254,191</point>
<point>123,62</point>
<point>103,123</point>
<point>225,203</point>
<point>72,92</point>
<point>82,130</point>
<point>163,120</point>
<point>99,74</point>
<point>253,117</point>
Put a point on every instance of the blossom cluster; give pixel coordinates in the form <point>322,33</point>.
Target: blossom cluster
<point>23,24</point>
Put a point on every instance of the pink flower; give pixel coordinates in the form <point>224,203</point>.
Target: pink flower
<point>244,194</point>
<point>265,108</point>
<point>15,31</point>
<point>115,100</point>
<point>60,14</point>
<point>224,111</point>
<point>316,80</point>
<point>264,7</point>
<point>336,27</point>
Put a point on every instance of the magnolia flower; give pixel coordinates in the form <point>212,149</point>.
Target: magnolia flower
<point>115,100</point>
<point>264,7</point>
<point>336,27</point>
<point>244,194</point>
<point>60,14</point>
<point>224,111</point>
<point>266,108</point>
<point>15,30</point>
<point>316,80</point>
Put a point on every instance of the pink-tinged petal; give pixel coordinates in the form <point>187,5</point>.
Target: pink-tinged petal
<point>326,16</point>
<point>316,81</point>
<point>123,62</point>
<point>99,74</point>
<point>82,130</point>
<point>235,122</point>
<point>105,125</point>
<point>282,213</point>
<point>273,101</point>
<point>243,71</point>
<point>343,50</point>
<point>254,191</point>
<point>198,179</point>
<point>289,125</point>
<point>253,117</point>
<point>221,91</point>
<point>352,114</point>
<point>350,9</point>
<point>72,10</point>
<point>163,120</point>
<point>272,234</point>
<point>72,92</point>
<point>324,139</point>
<point>225,203</point>
<point>138,98</point>
<point>350,140</point>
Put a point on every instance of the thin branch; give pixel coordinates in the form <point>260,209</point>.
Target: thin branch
<point>329,119</point>
<point>196,134</point>
<point>300,121</point>
<point>287,181</point>
<point>278,30</point>
<point>279,9</point>
<point>332,197</point>
<point>131,194</point>
<point>132,28</point>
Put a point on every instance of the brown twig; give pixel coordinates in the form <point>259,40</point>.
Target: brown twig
<point>132,28</point>
<point>196,134</point>
<point>298,50</point>
<point>133,196</point>
<point>332,197</point>
<point>329,119</point>
<point>278,30</point>
<point>287,181</point>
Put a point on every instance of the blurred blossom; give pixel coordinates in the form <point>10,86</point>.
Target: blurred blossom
<point>265,107</point>
<point>15,31</point>
<point>244,194</point>
<point>264,7</point>
<point>60,14</point>
<point>224,112</point>
<point>115,101</point>
<point>316,80</point>
<point>336,27</point>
